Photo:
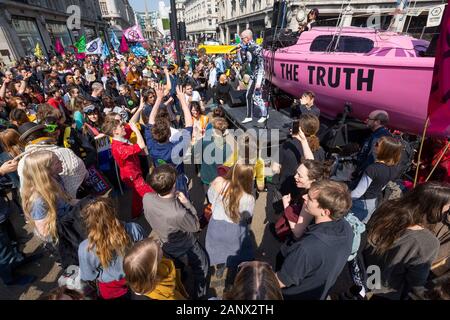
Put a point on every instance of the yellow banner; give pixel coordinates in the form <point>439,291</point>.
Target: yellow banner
<point>217,49</point>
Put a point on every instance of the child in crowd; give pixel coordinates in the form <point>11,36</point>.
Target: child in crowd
<point>174,219</point>
<point>151,275</point>
<point>126,156</point>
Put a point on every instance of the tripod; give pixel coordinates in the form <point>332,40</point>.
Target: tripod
<point>340,131</point>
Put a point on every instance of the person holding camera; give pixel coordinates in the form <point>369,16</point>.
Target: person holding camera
<point>306,105</point>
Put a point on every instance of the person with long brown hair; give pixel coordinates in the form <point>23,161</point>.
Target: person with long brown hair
<point>294,216</point>
<point>255,281</point>
<point>101,254</point>
<point>228,241</point>
<point>11,146</point>
<point>150,274</point>
<point>388,153</point>
<point>304,145</point>
<point>400,242</point>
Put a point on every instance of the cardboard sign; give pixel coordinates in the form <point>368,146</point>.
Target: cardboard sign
<point>96,181</point>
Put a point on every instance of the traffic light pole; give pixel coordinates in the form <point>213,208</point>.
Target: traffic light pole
<point>176,36</point>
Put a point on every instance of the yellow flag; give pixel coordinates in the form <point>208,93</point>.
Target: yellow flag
<point>38,51</point>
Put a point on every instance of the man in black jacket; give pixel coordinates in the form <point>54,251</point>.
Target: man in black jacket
<point>10,256</point>
<point>312,265</point>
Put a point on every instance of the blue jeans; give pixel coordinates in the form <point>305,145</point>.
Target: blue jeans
<point>363,209</point>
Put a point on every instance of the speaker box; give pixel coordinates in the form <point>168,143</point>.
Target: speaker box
<point>238,98</point>
<point>182,30</point>
<point>279,15</point>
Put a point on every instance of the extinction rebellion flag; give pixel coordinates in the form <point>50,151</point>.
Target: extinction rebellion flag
<point>95,47</point>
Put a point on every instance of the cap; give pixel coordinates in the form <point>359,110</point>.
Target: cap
<point>89,108</point>
<point>28,128</point>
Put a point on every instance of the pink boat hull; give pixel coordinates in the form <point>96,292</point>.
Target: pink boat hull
<point>399,85</point>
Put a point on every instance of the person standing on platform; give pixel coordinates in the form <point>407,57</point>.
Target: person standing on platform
<point>251,54</point>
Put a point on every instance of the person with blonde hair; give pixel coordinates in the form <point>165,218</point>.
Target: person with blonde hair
<point>101,254</point>
<point>44,198</point>
<point>150,274</point>
<point>228,241</point>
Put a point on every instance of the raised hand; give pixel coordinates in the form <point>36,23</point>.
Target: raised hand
<point>159,91</point>
<point>180,92</point>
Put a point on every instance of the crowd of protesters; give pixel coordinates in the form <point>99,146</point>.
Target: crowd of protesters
<point>78,134</point>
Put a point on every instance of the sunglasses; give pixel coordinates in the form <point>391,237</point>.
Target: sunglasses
<point>50,128</point>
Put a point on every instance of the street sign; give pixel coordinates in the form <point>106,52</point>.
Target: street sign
<point>435,15</point>
<point>414,12</point>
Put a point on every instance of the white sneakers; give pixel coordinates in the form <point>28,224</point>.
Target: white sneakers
<point>261,120</point>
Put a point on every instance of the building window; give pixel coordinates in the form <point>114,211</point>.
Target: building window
<point>59,30</point>
<point>28,34</point>
<point>346,44</point>
<point>104,8</point>
<point>210,22</point>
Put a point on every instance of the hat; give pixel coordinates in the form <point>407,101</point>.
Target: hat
<point>89,108</point>
<point>28,128</point>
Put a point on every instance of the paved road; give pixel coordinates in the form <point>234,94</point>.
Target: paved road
<point>48,272</point>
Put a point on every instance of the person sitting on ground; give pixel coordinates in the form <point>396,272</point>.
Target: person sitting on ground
<point>255,281</point>
<point>312,265</point>
<point>101,254</point>
<point>223,91</point>
<point>174,219</point>
<point>200,122</point>
<point>400,242</point>
<point>150,274</point>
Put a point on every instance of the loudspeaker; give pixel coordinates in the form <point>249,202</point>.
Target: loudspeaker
<point>173,26</point>
<point>238,98</point>
<point>279,15</point>
<point>182,30</point>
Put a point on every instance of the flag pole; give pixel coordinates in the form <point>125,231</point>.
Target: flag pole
<point>438,161</point>
<point>420,150</point>
<point>176,36</point>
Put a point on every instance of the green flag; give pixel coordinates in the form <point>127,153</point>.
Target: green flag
<point>237,38</point>
<point>81,45</point>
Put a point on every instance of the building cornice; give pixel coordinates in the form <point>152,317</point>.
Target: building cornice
<point>11,5</point>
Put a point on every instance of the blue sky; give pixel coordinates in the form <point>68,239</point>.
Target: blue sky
<point>138,5</point>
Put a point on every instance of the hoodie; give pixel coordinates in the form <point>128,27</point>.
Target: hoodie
<point>169,286</point>
<point>313,264</point>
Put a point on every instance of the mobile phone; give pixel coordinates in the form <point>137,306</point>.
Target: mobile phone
<point>295,127</point>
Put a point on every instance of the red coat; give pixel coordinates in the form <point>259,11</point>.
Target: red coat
<point>56,103</point>
<point>126,156</point>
